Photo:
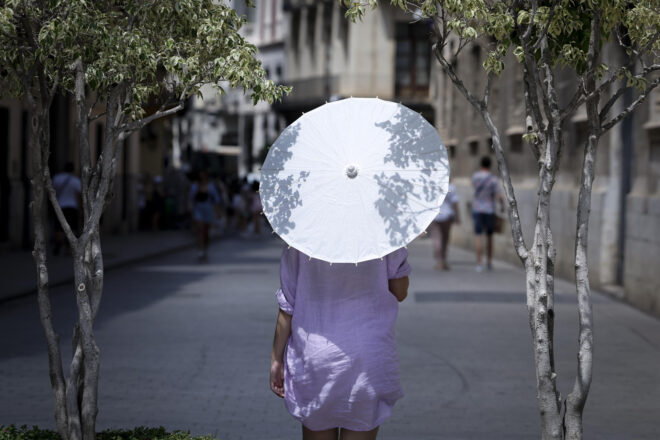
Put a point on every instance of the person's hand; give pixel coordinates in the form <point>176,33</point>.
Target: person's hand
<point>277,377</point>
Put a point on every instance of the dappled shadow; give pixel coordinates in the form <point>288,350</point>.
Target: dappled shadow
<point>126,290</point>
<point>370,173</point>
<point>413,188</point>
<point>282,186</point>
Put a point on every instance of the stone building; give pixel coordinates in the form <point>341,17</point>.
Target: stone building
<point>143,154</point>
<point>227,133</point>
<point>626,197</point>
<point>386,55</point>
<point>328,58</point>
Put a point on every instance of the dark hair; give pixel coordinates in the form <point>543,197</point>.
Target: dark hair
<point>68,167</point>
<point>485,162</point>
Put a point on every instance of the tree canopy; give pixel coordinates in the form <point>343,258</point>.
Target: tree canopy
<point>151,49</point>
<point>128,62</point>
<point>634,24</point>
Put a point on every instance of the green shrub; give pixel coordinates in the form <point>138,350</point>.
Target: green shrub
<point>12,432</point>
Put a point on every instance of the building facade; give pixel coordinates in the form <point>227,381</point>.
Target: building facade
<point>143,155</point>
<point>328,58</point>
<point>385,55</point>
<point>226,133</point>
<point>625,198</point>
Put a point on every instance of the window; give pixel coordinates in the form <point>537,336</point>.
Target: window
<point>474,148</point>
<point>242,9</point>
<point>251,14</point>
<point>343,27</point>
<point>413,59</point>
<point>515,143</point>
<point>327,22</point>
<point>654,144</point>
<point>476,65</point>
<point>311,28</point>
<point>452,151</point>
<point>295,30</point>
<point>581,132</point>
<point>654,157</point>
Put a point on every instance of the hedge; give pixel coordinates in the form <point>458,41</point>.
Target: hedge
<point>12,432</point>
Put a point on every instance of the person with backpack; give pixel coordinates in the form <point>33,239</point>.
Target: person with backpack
<point>486,193</point>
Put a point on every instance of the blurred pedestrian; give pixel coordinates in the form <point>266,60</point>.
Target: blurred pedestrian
<point>68,190</point>
<point>240,207</point>
<point>441,226</point>
<point>142,203</point>
<point>256,208</point>
<point>486,194</point>
<point>223,193</point>
<point>156,204</point>
<point>204,200</point>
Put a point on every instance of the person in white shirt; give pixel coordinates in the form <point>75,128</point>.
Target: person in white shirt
<point>441,226</point>
<point>486,195</point>
<point>68,189</point>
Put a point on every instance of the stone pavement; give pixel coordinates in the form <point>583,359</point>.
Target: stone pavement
<point>187,346</point>
<point>18,272</point>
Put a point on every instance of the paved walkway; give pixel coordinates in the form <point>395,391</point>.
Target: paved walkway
<point>186,346</point>
<point>18,273</point>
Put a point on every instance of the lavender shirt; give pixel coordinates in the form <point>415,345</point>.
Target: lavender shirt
<point>341,365</point>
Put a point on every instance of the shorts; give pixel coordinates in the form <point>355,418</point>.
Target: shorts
<point>483,222</point>
<point>204,212</point>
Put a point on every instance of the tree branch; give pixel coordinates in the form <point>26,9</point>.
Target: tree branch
<point>514,218</point>
<point>641,75</point>
<point>551,14</point>
<point>490,76</point>
<point>137,125</point>
<point>640,99</point>
<point>52,196</point>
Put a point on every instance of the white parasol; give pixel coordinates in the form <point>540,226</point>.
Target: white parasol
<point>354,180</point>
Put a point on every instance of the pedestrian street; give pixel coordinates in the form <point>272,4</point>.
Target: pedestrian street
<point>186,345</point>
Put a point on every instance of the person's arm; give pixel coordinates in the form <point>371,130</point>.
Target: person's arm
<point>282,333</point>
<point>399,287</point>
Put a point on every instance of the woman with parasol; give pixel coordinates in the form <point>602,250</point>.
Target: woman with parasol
<point>347,186</point>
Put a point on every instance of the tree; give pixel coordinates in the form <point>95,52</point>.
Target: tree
<point>115,57</point>
<point>546,36</point>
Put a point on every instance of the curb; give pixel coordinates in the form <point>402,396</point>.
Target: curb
<point>107,267</point>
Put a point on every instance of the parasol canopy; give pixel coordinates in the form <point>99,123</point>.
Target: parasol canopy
<point>354,180</point>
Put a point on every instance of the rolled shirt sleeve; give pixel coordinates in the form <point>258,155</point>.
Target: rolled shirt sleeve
<point>397,264</point>
<point>286,294</point>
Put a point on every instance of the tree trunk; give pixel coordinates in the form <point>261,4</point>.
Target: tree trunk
<point>88,403</point>
<point>39,145</point>
<point>576,400</point>
<point>574,404</point>
<point>541,313</point>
